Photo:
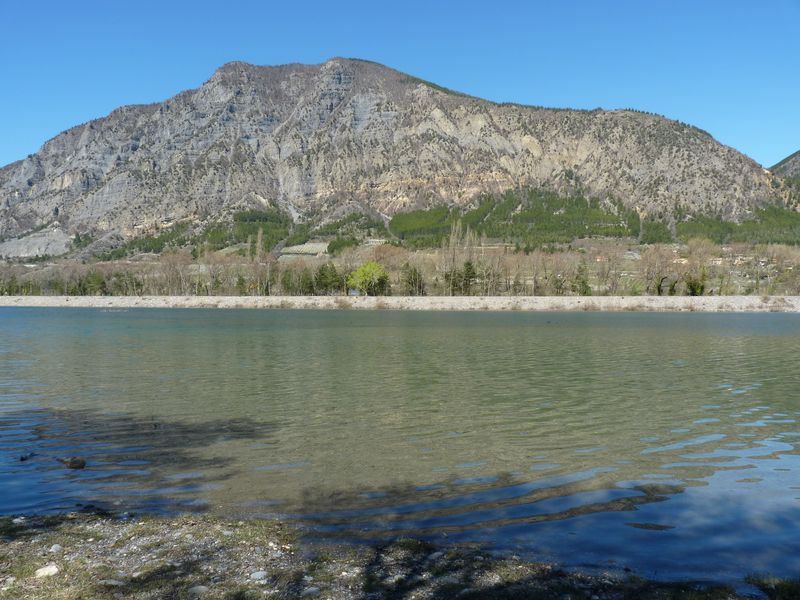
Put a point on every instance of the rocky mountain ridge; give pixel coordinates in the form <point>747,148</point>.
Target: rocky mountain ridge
<point>789,166</point>
<point>319,141</point>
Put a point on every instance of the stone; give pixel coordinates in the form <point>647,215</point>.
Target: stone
<point>258,575</point>
<point>56,548</point>
<point>111,582</point>
<point>46,571</point>
<point>197,591</point>
<point>73,462</point>
<point>310,592</point>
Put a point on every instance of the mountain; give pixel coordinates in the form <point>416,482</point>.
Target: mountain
<point>320,141</point>
<point>789,166</point>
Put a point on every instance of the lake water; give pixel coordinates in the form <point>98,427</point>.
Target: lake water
<point>665,443</point>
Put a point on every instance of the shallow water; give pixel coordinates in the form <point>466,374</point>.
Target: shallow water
<point>666,443</point>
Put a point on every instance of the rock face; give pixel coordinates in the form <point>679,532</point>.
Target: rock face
<point>50,242</point>
<point>320,140</point>
<point>789,166</point>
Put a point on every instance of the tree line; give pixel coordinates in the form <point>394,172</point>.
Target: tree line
<point>462,265</point>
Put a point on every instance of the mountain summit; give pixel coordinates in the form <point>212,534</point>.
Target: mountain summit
<point>321,140</point>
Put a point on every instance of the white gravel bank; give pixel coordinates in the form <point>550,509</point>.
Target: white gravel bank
<point>457,303</point>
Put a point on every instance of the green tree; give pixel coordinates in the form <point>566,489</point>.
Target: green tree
<point>336,246</point>
<point>241,285</point>
<point>413,283</point>
<point>468,277</point>
<point>654,232</point>
<point>455,281</point>
<point>370,279</point>
<point>306,283</point>
<point>581,283</point>
<point>287,282</point>
<point>695,284</point>
<point>94,284</point>
<point>327,279</point>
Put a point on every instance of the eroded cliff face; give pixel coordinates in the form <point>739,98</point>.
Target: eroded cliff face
<point>318,140</point>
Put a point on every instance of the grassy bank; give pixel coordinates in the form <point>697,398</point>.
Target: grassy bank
<point>96,556</point>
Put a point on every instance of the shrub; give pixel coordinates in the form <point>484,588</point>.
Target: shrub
<point>370,278</point>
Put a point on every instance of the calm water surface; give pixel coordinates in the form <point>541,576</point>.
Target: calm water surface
<point>665,443</point>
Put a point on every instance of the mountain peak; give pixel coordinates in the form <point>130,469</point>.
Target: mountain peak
<point>350,134</point>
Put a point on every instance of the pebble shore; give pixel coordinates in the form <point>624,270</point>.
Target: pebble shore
<point>101,556</point>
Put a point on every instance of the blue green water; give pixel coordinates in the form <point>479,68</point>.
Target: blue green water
<point>665,443</point>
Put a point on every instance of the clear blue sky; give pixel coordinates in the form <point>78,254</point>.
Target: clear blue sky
<point>730,67</point>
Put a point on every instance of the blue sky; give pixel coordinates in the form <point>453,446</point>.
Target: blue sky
<point>729,67</point>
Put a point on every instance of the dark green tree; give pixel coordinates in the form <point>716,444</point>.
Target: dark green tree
<point>327,279</point>
<point>455,281</point>
<point>581,283</point>
<point>306,283</point>
<point>288,282</point>
<point>413,283</point>
<point>468,277</point>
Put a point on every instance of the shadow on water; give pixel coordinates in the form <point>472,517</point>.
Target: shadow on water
<point>453,509</point>
<point>131,463</point>
<point>661,530</point>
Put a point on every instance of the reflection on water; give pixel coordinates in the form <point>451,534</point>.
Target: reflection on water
<point>666,443</point>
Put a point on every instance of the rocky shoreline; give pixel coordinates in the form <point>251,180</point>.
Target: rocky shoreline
<point>428,303</point>
<point>96,556</point>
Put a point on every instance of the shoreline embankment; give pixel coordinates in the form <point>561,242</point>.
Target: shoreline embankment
<point>788,304</point>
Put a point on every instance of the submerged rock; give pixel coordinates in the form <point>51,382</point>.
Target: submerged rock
<point>73,462</point>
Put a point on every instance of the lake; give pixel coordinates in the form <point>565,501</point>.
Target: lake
<point>663,443</point>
